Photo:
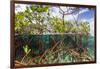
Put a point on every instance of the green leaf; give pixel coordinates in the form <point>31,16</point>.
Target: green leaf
<point>33,8</point>
<point>26,49</point>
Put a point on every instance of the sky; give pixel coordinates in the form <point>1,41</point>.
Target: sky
<point>84,14</point>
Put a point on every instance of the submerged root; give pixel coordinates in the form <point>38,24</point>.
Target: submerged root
<point>57,54</point>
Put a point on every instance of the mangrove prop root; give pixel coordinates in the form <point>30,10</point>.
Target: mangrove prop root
<point>25,56</point>
<point>42,55</point>
<point>17,63</point>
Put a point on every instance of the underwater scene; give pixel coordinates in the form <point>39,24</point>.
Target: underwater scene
<point>52,34</point>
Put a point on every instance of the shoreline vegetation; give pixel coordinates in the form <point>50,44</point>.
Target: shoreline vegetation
<point>44,37</point>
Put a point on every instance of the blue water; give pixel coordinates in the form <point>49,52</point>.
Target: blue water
<point>36,42</point>
<point>91,42</point>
